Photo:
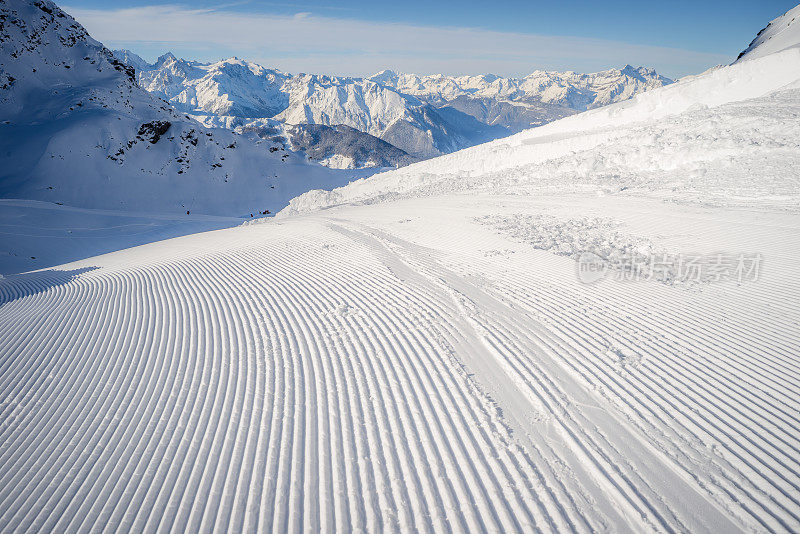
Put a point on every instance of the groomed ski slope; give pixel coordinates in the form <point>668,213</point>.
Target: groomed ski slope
<point>404,366</point>
<point>422,354</point>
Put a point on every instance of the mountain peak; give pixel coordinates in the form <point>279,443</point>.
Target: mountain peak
<point>131,58</point>
<point>169,57</point>
<point>634,72</point>
<point>384,76</point>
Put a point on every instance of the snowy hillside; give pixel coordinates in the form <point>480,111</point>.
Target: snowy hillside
<point>77,130</point>
<point>423,115</point>
<point>591,326</point>
<point>780,34</point>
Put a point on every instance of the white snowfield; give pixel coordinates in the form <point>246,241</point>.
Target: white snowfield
<point>418,351</point>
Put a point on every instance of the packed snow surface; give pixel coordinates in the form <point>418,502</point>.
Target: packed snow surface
<point>405,366</point>
<point>590,326</point>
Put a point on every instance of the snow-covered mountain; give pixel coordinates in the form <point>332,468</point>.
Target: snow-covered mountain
<point>239,92</point>
<point>575,91</point>
<point>404,121</point>
<point>78,130</point>
<point>424,116</point>
<point>780,34</point>
<point>227,88</point>
<point>521,103</point>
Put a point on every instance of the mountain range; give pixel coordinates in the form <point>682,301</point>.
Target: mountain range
<point>424,116</point>
<point>78,130</point>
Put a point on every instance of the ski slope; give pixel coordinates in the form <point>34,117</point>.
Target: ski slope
<point>422,350</point>
<point>404,366</point>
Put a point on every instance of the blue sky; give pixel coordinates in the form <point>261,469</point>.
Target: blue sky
<point>355,37</point>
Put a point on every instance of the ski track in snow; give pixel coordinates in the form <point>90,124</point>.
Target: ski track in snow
<point>376,368</point>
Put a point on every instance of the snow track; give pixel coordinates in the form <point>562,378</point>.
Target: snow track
<point>362,370</point>
<point>262,390</point>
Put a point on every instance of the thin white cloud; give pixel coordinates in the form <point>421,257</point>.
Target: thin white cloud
<point>310,43</point>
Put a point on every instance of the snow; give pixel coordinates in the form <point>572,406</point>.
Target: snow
<point>420,351</point>
<point>780,34</point>
<point>337,161</point>
<point>36,235</point>
<point>303,374</point>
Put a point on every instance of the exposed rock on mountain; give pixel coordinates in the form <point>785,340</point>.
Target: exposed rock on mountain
<point>337,147</point>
